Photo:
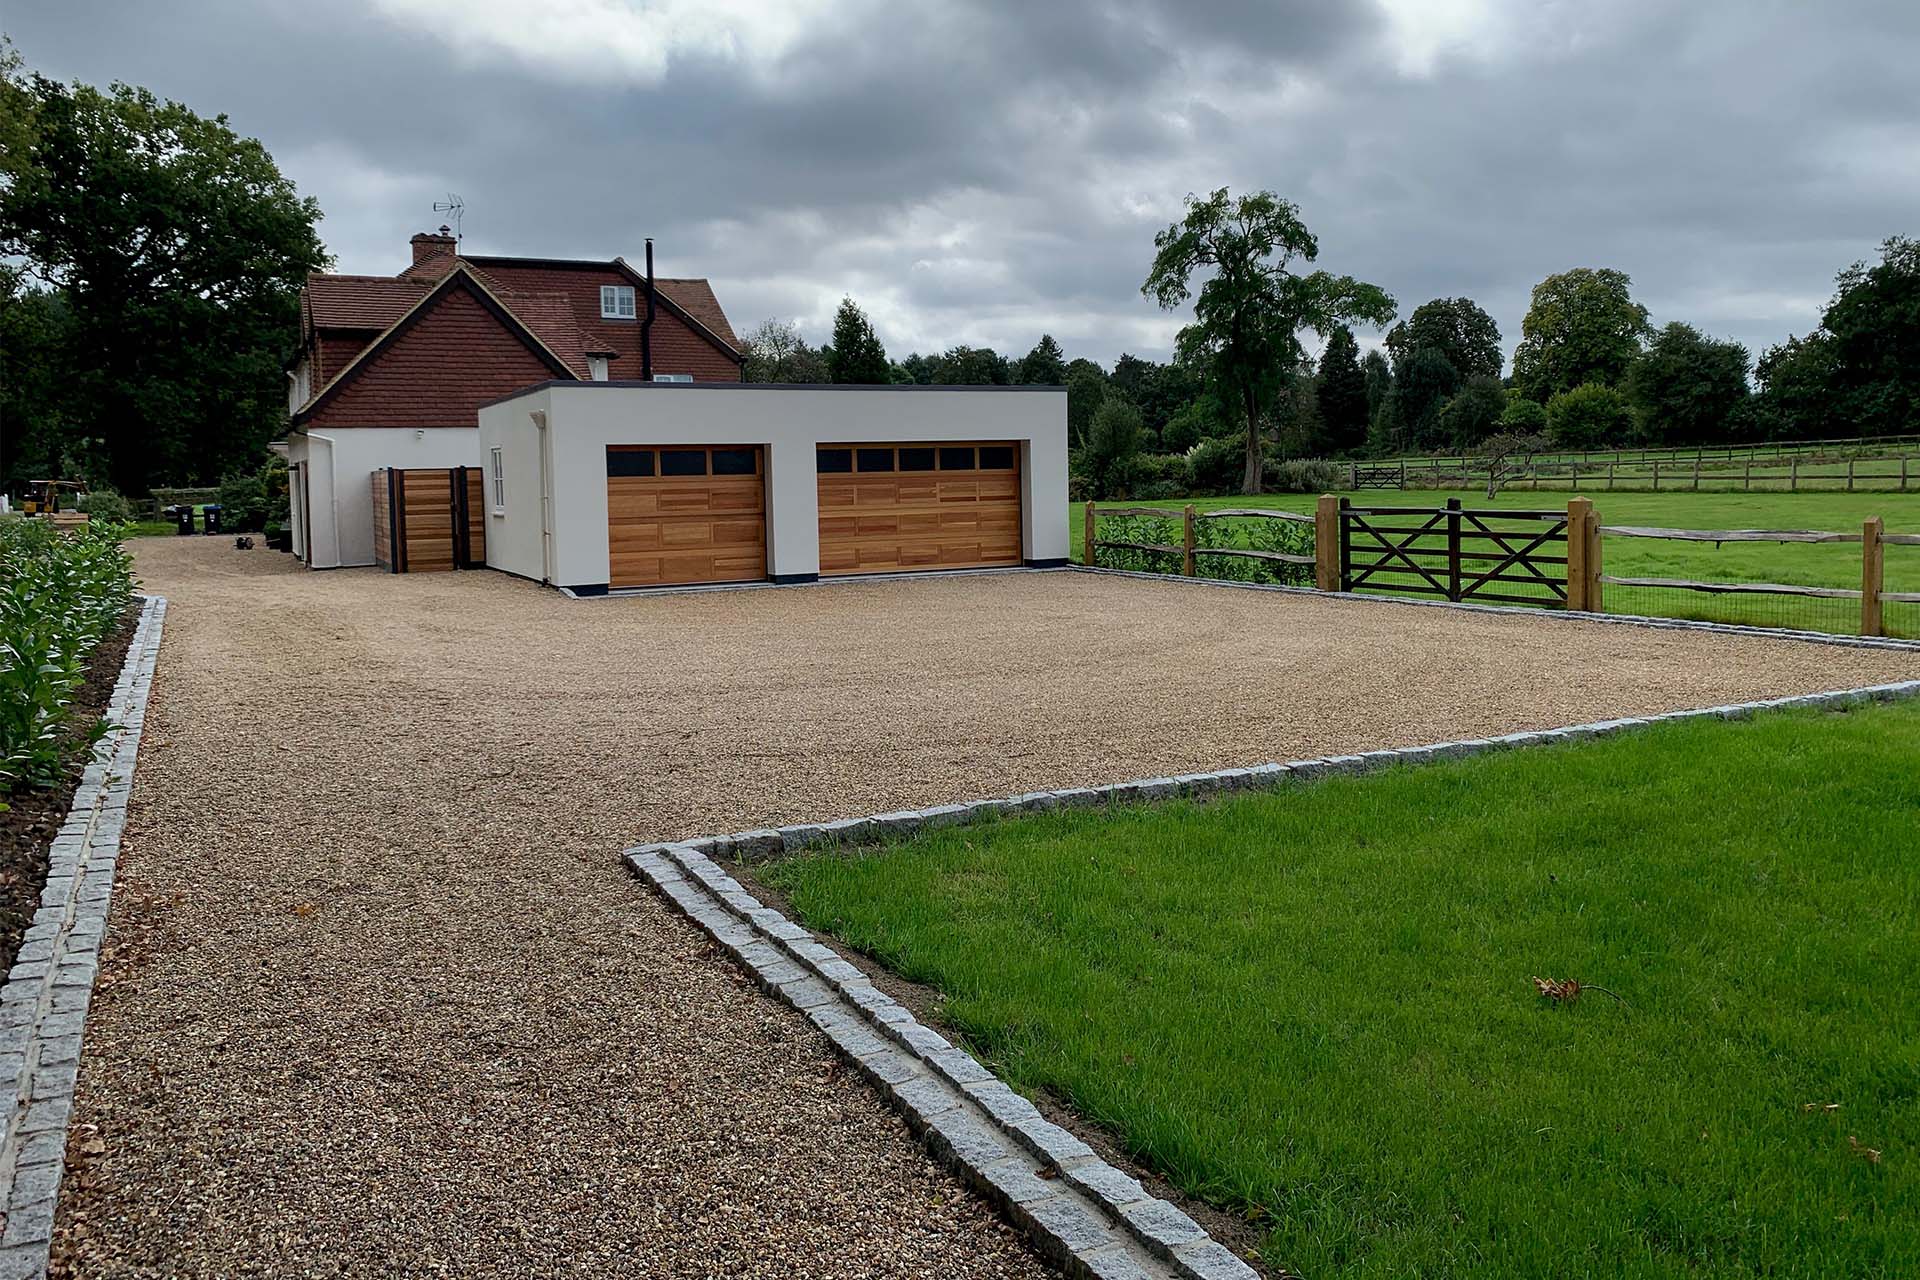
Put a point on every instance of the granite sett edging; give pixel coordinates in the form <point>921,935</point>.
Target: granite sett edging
<point>1084,1215</point>
<point>43,1006</point>
<point>1087,1216</point>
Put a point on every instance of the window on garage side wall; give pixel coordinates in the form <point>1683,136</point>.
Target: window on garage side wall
<point>498,466</point>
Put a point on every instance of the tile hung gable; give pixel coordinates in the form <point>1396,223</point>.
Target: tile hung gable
<point>435,371</point>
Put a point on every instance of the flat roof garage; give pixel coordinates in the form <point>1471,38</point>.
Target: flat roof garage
<point>599,486</point>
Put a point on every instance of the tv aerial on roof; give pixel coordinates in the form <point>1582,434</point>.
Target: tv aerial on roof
<point>455,206</point>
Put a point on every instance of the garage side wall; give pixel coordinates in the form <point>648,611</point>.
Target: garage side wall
<point>789,423</point>
<point>514,543</point>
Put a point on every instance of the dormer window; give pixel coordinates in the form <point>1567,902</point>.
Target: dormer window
<point>616,302</point>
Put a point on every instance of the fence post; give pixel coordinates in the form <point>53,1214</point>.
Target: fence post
<point>1326,543</point>
<point>1849,473</point>
<point>1696,473</point>
<point>1576,475</point>
<point>1872,575</point>
<point>1086,552</point>
<point>1186,558</point>
<point>1793,474</point>
<point>1747,484</point>
<point>1595,603</point>
<point>1610,467</point>
<point>1353,475</point>
<point>1656,475</point>
<point>1346,537</point>
<point>1903,473</point>
<point>1453,549</point>
<point>1579,511</point>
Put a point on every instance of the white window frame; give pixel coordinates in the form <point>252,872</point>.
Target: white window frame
<point>499,467</point>
<point>673,377</point>
<point>617,302</point>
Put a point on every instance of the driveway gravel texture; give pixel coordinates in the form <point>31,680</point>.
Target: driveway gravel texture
<point>378,997</point>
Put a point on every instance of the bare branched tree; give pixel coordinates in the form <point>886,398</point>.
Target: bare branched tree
<point>1507,454</point>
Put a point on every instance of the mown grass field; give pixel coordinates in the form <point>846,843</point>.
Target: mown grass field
<point>1799,564</point>
<point>1315,1005</point>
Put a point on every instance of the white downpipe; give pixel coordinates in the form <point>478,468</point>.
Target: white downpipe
<point>539,417</point>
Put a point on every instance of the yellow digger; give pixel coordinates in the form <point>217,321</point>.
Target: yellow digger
<point>43,499</point>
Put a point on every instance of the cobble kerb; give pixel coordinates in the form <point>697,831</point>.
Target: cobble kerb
<point>1094,1220</point>
<point>43,1006</point>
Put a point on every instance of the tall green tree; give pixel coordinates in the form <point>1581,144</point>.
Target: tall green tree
<point>1086,392</point>
<point>1873,324</point>
<point>1421,388</point>
<point>1686,388</point>
<point>1582,327</point>
<point>1458,329</point>
<point>856,355</point>
<point>1379,381</point>
<point>1248,314</point>
<point>1342,391</point>
<point>1797,380</point>
<point>1044,366</point>
<point>1112,442</point>
<point>177,250</point>
<point>1473,412</point>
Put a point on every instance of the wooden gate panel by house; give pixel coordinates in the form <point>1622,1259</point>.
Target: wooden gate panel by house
<point>428,519</point>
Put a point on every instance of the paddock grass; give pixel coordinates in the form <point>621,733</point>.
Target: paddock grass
<point>1315,1005</point>
<point>1796,564</point>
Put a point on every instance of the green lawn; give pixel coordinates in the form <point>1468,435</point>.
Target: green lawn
<point>1315,1005</point>
<point>1819,565</point>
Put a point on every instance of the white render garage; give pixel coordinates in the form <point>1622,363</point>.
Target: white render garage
<point>609,485</point>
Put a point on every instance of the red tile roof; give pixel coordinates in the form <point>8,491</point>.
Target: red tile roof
<point>556,301</point>
<point>361,302</point>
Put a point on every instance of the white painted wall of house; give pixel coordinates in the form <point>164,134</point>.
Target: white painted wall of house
<point>340,481</point>
<point>789,422</point>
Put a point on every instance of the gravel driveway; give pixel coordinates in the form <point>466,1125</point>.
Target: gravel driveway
<point>378,997</point>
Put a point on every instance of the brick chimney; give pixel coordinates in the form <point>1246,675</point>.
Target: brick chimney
<point>429,243</point>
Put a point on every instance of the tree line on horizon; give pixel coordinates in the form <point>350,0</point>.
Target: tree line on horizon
<point>151,261</point>
<point>1590,371</point>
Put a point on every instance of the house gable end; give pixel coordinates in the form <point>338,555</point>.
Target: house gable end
<point>436,366</point>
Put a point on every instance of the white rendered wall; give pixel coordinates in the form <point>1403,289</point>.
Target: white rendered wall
<point>513,536</point>
<point>343,460</point>
<point>584,418</point>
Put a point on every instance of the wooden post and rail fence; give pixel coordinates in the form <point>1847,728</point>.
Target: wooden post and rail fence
<point>1551,559</point>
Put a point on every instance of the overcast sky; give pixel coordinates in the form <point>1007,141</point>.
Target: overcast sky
<point>984,172</point>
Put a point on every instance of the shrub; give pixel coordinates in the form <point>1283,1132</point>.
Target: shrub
<point>1523,417</point>
<point>1303,475</point>
<point>249,501</point>
<point>1255,535</point>
<point>1588,417</point>
<point>60,593</point>
<point>1216,465</point>
<point>1142,529</point>
<point>1159,475</point>
<point>106,505</point>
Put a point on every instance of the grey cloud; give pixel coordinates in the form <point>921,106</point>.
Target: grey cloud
<point>979,171</point>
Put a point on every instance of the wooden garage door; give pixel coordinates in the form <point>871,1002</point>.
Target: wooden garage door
<point>888,507</point>
<point>685,514</point>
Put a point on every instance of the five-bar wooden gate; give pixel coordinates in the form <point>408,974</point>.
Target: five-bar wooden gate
<point>1456,554</point>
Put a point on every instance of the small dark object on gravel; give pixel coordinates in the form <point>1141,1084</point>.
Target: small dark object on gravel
<point>243,543</point>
